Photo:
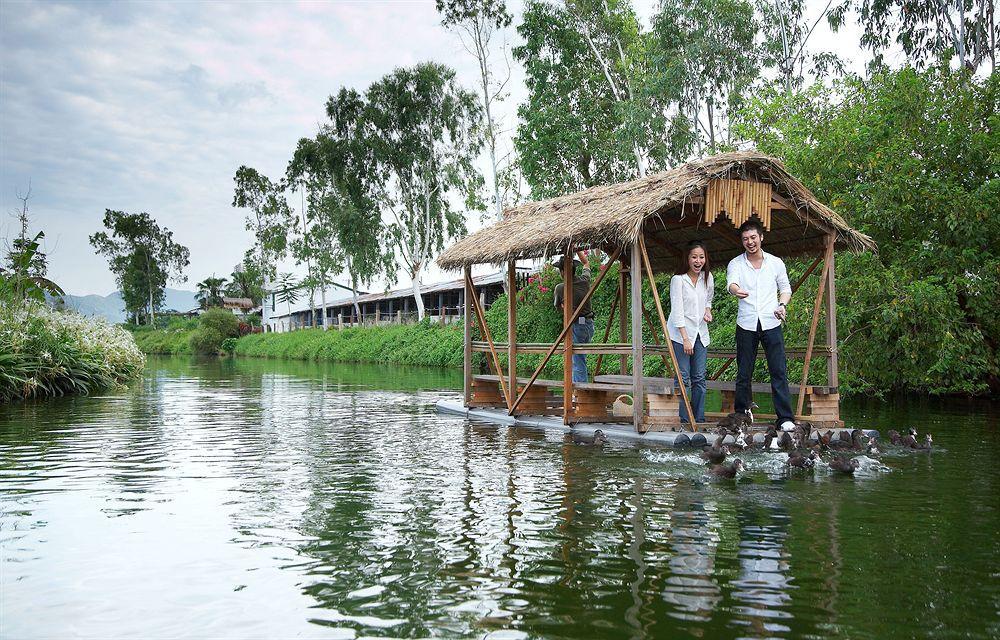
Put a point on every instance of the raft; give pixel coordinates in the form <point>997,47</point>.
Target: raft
<point>614,431</point>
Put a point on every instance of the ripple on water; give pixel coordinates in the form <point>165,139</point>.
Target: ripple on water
<point>268,499</point>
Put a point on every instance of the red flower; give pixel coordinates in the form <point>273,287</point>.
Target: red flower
<point>603,267</point>
<point>543,288</point>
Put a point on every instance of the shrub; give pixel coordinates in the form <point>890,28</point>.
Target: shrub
<point>214,327</point>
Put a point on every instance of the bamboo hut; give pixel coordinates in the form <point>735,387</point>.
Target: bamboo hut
<point>644,224</point>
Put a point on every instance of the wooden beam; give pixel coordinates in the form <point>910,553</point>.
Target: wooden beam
<point>558,340</point>
<point>638,404</point>
<point>467,295</point>
<point>656,337</point>
<point>828,258</point>
<point>512,326</point>
<point>607,329</point>
<point>489,340</point>
<point>622,317</point>
<point>663,323</point>
<point>568,320</point>
<point>832,361</point>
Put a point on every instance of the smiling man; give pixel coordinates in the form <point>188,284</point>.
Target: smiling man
<point>760,281</point>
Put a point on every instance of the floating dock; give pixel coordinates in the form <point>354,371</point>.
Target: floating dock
<point>614,431</point>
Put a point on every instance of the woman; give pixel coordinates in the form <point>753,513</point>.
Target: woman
<point>691,293</point>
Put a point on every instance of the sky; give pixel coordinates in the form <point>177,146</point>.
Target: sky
<point>152,106</point>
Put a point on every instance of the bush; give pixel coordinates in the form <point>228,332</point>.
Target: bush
<point>215,326</point>
<point>44,352</point>
<point>229,345</point>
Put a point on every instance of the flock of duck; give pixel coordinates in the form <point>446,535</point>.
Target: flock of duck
<point>802,452</point>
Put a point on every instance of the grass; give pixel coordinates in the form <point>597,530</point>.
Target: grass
<point>422,344</point>
<point>44,353</point>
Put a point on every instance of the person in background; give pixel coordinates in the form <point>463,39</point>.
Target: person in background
<point>583,328</point>
<point>691,293</point>
<point>760,281</point>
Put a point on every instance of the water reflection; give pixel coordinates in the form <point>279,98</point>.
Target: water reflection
<point>275,499</point>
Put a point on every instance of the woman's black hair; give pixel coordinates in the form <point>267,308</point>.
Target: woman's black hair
<point>682,266</point>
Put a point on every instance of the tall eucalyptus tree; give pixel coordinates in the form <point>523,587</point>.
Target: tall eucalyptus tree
<point>424,136</point>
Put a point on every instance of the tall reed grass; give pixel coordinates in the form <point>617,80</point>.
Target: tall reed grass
<point>44,352</point>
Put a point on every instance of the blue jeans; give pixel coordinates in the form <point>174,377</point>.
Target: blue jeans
<point>746,356</point>
<point>693,372</point>
<point>582,334</point>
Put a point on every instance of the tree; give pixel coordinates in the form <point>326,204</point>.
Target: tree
<point>286,290</point>
<point>599,108</point>
<point>908,157</point>
<point>422,130</point>
<point>709,46</point>
<point>210,292</point>
<point>143,258</point>
<point>246,282</point>
<point>787,32</point>
<point>929,29</point>
<point>476,22</point>
<point>23,274</point>
<point>269,217</point>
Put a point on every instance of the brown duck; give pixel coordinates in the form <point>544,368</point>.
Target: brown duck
<point>727,470</point>
<point>843,464</point>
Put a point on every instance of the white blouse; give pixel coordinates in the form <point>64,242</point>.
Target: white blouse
<point>687,307</point>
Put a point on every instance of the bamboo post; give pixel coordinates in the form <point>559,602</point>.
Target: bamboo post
<point>512,327</point>
<point>568,321</point>
<point>832,364</point>
<point>467,295</point>
<point>638,404</point>
<point>827,258</point>
<point>663,322</point>
<point>622,318</point>
<point>481,317</point>
<point>559,339</point>
<point>607,331</point>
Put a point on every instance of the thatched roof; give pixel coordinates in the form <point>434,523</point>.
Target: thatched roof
<point>666,208</point>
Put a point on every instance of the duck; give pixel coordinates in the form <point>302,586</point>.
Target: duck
<point>802,461</point>
<point>850,440</point>
<point>785,441</point>
<point>770,436</point>
<point>736,421</point>
<point>926,446</point>
<point>825,439</point>
<point>843,464</point>
<point>728,470</point>
<point>909,441</point>
<point>872,448</point>
<point>716,454</point>
<point>894,437</point>
<point>598,438</point>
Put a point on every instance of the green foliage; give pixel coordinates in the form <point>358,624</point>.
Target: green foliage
<point>143,258</point>
<point>210,292</point>
<point>50,353</point>
<point>24,279</point>
<point>422,343</point>
<point>229,345</point>
<point>246,281</point>
<point>910,158</point>
<point>269,217</point>
<point>214,327</point>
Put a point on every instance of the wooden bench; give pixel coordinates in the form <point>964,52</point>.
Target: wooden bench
<point>538,401</point>
<point>822,402</point>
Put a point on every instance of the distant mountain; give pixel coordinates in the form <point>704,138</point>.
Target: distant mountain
<point>112,307</point>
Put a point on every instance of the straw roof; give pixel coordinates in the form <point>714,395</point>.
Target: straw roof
<point>666,208</point>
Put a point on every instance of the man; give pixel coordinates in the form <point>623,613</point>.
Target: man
<point>583,328</point>
<point>760,281</point>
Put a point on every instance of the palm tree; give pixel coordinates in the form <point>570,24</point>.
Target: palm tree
<point>210,292</point>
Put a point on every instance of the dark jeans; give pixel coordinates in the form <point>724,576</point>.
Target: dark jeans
<point>693,373</point>
<point>746,355</point>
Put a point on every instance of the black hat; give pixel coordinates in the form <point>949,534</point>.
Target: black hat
<point>558,263</point>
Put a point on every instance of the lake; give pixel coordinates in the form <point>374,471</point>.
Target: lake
<point>263,499</point>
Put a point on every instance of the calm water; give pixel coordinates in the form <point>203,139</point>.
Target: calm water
<point>270,499</point>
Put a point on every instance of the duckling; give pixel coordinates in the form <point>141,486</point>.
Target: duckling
<point>736,421</point>
<point>926,446</point>
<point>843,464</point>
<point>716,453</point>
<point>845,437</point>
<point>597,439</point>
<point>826,438</point>
<point>727,470</point>
<point>801,461</point>
<point>770,436</point>
<point>872,448</point>
<point>894,437</point>
<point>785,441</point>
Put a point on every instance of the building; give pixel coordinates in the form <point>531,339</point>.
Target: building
<point>442,303</point>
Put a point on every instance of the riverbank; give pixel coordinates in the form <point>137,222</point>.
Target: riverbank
<point>421,344</point>
<point>45,353</point>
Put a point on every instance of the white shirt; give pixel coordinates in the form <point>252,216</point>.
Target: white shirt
<point>763,285</point>
<point>687,307</point>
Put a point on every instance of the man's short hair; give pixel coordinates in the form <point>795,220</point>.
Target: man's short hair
<point>752,225</point>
